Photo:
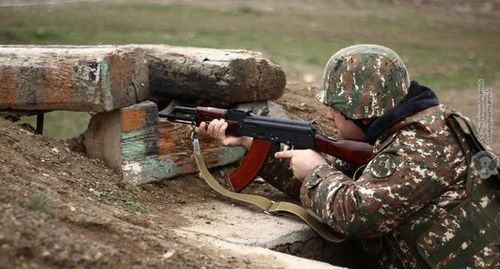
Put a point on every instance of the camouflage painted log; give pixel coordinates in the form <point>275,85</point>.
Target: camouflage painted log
<point>77,78</point>
<point>214,75</point>
<point>140,148</point>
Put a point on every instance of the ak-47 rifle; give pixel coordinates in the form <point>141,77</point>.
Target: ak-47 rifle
<point>267,135</point>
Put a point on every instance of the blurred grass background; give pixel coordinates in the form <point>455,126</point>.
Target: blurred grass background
<point>447,46</point>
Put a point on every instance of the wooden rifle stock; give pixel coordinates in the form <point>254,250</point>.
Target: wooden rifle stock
<point>354,152</point>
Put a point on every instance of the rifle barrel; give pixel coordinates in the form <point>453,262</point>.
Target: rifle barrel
<point>182,114</point>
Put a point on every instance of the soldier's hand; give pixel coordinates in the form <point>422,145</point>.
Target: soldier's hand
<point>302,161</point>
<point>217,129</point>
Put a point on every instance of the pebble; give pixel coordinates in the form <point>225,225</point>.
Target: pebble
<point>259,180</point>
<point>26,132</point>
<point>168,254</point>
<point>97,256</point>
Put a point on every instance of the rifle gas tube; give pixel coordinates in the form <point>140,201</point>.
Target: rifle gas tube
<point>268,134</point>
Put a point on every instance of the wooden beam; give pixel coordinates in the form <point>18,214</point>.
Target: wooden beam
<point>216,76</point>
<point>77,78</point>
<point>137,146</point>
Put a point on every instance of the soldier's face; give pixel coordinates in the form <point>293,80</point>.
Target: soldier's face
<point>347,128</point>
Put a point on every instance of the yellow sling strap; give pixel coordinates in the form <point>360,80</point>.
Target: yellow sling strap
<point>262,202</point>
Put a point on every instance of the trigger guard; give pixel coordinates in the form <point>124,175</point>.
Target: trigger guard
<point>276,147</point>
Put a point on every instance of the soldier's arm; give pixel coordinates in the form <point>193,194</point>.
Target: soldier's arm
<point>277,172</point>
<point>397,183</point>
<point>341,166</point>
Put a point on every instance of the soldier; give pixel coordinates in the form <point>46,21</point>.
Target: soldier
<point>403,205</point>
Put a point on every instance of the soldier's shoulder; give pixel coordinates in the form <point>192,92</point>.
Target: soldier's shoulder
<point>429,123</point>
<point>432,117</point>
<point>384,164</point>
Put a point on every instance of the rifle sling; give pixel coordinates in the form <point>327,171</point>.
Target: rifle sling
<point>263,203</point>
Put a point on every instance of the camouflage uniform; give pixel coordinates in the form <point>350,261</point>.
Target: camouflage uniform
<point>417,175</point>
<point>400,204</point>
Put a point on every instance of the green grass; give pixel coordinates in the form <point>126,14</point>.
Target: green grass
<point>444,50</point>
<point>127,197</point>
<point>62,124</point>
<point>40,202</point>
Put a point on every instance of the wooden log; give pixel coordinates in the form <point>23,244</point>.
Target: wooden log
<point>137,146</point>
<point>77,78</point>
<point>212,75</point>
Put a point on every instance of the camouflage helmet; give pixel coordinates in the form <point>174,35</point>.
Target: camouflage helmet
<point>364,81</point>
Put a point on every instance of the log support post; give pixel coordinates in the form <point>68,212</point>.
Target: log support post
<point>140,148</point>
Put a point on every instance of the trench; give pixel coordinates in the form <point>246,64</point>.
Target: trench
<point>348,254</point>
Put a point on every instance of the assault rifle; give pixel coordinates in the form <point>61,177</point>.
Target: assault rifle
<point>268,133</point>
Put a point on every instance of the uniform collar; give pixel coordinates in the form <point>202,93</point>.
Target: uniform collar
<point>418,99</point>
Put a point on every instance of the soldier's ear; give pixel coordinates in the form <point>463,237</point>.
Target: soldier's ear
<point>332,112</point>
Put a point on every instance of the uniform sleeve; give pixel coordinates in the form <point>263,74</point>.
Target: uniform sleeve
<point>277,172</point>
<point>396,184</point>
<point>342,166</point>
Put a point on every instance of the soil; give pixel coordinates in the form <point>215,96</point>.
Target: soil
<point>59,208</point>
